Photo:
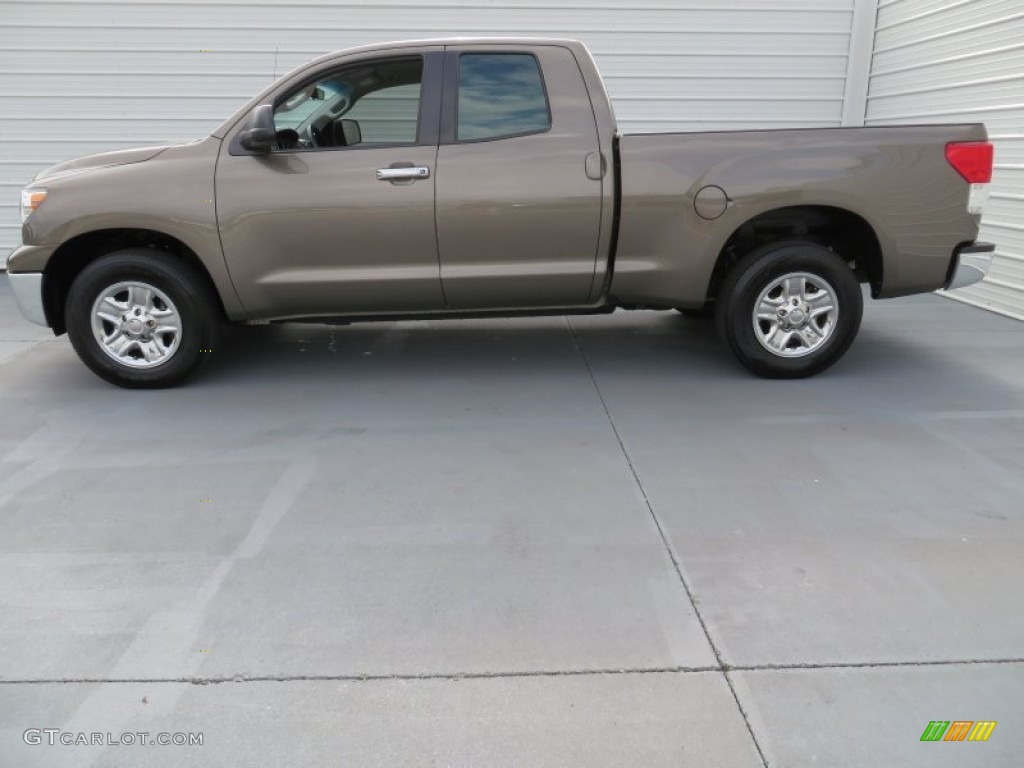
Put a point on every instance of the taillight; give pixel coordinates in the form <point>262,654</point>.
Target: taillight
<point>971,159</point>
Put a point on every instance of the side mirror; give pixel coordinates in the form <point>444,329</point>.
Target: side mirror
<point>260,136</point>
<point>353,133</point>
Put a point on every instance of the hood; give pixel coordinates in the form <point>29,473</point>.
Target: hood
<point>103,160</point>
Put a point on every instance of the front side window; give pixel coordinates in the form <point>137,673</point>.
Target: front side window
<point>500,95</point>
<point>371,104</point>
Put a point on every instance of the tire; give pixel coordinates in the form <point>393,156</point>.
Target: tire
<point>142,319</point>
<point>789,310</point>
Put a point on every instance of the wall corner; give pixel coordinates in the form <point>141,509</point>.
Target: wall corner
<point>858,63</point>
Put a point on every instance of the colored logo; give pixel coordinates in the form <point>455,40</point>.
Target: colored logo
<point>958,730</point>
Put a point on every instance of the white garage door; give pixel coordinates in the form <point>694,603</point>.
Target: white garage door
<point>89,76</point>
<point>963,61</point>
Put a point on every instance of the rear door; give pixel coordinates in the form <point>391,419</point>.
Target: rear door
<point>519,187</point>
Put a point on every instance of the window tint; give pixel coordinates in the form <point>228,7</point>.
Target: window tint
<point>376,103</point>
<point>500,94</point>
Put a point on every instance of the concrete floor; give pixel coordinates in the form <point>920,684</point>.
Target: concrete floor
<point>518,542</point>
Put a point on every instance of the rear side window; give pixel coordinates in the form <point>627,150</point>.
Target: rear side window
<point>501,95</point>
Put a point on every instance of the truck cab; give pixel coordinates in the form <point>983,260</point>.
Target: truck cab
<point>488,155</point>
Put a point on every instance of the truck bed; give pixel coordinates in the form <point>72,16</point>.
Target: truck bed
<point>895,179</point>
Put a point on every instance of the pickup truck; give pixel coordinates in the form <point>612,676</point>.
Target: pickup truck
<point>486,177</point>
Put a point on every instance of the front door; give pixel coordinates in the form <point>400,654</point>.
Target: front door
<point>339,218</point>
<point>518,201</point>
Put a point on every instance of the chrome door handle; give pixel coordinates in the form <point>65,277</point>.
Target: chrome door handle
<point>403,174</point>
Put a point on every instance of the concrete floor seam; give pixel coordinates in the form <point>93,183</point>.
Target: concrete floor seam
<point>456,676</point>
<point>667,544</point>
<point>866,665</point>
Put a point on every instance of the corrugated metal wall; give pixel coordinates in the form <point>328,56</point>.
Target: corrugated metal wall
<point>952,61</point>
<point>89,76</point>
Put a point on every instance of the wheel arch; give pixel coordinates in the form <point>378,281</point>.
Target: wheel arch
<point>75,254</point>
<point>847,233</point>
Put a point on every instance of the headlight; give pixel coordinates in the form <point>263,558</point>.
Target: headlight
<point>30,200</point>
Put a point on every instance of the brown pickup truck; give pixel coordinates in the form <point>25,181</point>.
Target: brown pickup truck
<point>455,178</point>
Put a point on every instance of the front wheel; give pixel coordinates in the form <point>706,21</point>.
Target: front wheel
<point>790,310</point>
<point>142,319</point>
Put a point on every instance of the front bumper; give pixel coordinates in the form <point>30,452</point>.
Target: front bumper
<point>27,288</point>
<point>970,264</point>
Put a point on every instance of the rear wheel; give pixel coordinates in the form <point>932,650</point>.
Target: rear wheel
<point>790,310</point>
<point>142,319</point>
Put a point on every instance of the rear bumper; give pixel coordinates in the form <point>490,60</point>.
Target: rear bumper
<point>970,264</point>
<point>27,288</point>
